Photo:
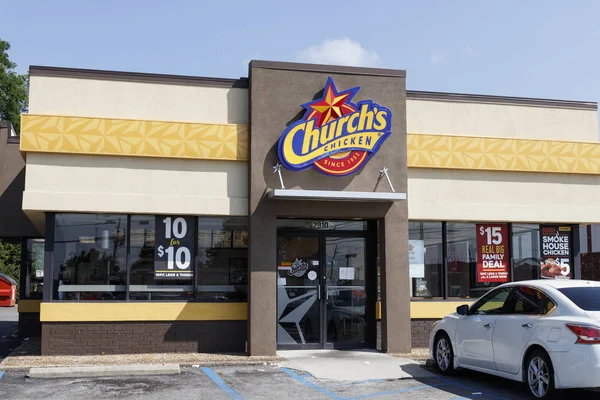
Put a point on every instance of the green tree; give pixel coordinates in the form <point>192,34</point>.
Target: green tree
<point>13,89</point>
<point>10,260</point>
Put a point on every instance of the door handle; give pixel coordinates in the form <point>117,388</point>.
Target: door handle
<point>526,325</point>
<point>318,292</point>
<point>488,326</point>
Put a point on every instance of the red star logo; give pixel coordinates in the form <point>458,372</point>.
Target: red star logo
<point>331,106</point>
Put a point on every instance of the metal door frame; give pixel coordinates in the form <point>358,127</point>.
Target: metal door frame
<point>371,271</point>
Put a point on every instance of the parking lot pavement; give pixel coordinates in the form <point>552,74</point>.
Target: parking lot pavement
<point>265,382</point>
<point>9,322</point>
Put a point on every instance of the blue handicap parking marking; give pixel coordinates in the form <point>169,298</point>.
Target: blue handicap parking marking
<point>304,381</point>
<point>222,384</point>
<point>1,374</point>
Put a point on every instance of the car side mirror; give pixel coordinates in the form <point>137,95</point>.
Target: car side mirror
<point>462,310</point>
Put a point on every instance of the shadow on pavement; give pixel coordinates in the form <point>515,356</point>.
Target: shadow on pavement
<point>475,385</point>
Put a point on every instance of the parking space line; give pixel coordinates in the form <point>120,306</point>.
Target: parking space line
<point>303,380</point>
<point>221,383</point>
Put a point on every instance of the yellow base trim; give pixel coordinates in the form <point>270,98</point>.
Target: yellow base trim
<point>427,309</point>
<point>433,309</point>
<point>123,137</point>
<point>112,312</point>
<point>29,306</point>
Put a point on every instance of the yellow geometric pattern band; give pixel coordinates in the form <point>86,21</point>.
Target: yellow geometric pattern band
<point>120,137</point>
<point>494,154</point>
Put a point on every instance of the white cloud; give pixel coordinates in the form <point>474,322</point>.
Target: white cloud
<point>339,52</point>
<point>448,55</point>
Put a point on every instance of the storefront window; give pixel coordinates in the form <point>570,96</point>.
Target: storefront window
<point>426,258</point>
<point>89,257</point>
<point>526,251</point>
<point>589,249</point>
<point>222,259</point>
<point>145,281</point>
<point>34,270</point>
<point>462,262</point>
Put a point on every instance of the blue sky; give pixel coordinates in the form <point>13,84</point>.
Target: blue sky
<point>535,48</point>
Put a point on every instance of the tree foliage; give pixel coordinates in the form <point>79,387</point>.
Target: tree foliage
<point>10,260</point>
<point>13,89</point>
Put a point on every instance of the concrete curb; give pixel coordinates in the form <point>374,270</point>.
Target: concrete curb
<point>103,371</point>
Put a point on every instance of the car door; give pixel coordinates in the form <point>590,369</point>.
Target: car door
<point>474,330</point>
<point>514,329</point>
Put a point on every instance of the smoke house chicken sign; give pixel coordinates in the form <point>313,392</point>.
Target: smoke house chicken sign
<point>174,244</point>
<point>492,253</point>
<point>556,252</point>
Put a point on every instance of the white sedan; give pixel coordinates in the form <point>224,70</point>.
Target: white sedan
<point>545,333</point>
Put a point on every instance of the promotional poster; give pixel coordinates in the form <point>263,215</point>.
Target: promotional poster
<point>493,263</point>
<point>556,252</point>
<point>174,247</point>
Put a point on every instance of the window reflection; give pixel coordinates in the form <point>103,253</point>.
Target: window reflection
<point>222,259</point>
<point>526,251</point>
<point>89,257</point>
<point>426,260</point>
<point>34,264</point>
<point>462,262</point>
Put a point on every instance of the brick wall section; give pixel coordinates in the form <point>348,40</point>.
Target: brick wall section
<point>143,337</point>
<point>421,328</point>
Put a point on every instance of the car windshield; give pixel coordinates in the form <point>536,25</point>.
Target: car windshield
<point>586,298</point>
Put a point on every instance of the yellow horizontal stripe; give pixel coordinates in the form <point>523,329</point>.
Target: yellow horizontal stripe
<point>123,137</point>
<point>151,311</point>
<point>428,309</point>
<point>433,309</point>
<point>29,306</point>
<point>497,154</point>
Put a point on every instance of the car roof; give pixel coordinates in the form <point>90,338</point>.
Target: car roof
<point>556,283</point>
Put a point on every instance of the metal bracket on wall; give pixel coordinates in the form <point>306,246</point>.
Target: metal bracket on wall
<point>277,170</point>
<point>384,172</point>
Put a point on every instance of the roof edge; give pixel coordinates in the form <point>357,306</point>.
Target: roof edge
<point>507,100</point>
<point>327,68</point>
<point>243,83</point>
<point>61,72</point>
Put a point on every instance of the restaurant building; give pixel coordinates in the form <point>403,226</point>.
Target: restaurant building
<point>303,207</point>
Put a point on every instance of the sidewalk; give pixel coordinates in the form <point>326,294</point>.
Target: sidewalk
<point>28,356</point>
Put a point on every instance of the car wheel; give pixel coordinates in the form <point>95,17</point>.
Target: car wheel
<point>444,356</point>
<point>540,375</point>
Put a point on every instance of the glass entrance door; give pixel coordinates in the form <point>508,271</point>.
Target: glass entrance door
<point>321,290</point>
<point>298,292</point>
<point>346,296</point>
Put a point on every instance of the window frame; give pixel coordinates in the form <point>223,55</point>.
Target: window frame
<point>49,256</point>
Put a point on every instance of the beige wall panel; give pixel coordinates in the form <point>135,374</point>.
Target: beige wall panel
<point>497,120</point>
<point>454,195</point>
<point>135,100</point>
<point>78,183</point>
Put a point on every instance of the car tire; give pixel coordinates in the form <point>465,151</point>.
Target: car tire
<point>539,375</point>
<point>443,354</point>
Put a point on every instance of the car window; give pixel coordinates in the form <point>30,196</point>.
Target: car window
<point>586,298</point>
<point>547,305</point>
<point>525,301</point>
<point>493,303</point>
